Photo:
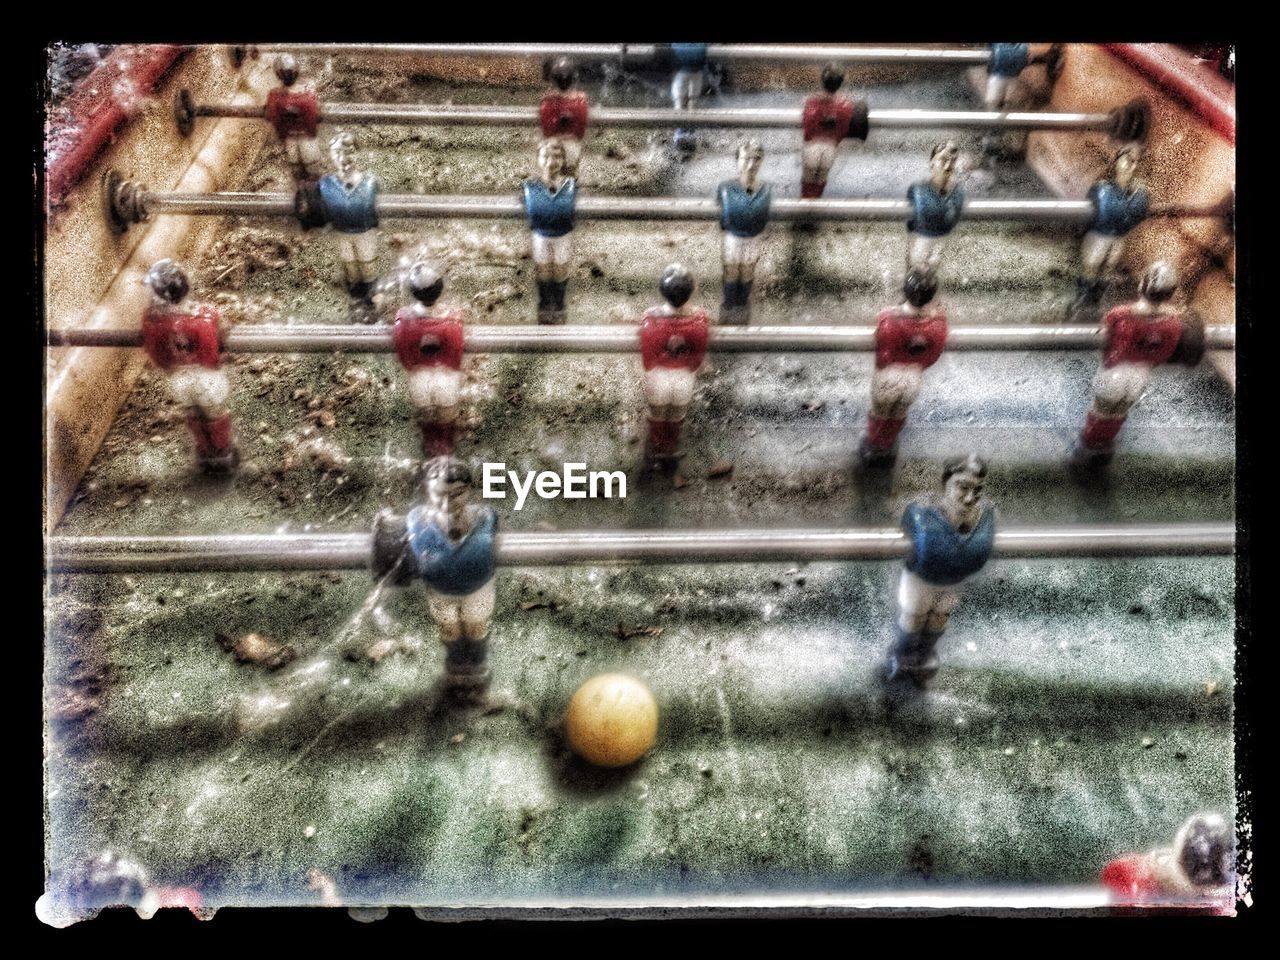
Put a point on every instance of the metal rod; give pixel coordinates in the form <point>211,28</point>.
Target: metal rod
<point>351,551</point>
<point>748,118</point>
<point>318,338</point>
<point>410,206</point>
<point>641,52</point>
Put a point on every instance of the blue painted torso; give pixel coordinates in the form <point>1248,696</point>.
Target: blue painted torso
<point>456,569</point>
<point>350,211</point>
<point>550,214</point>
<point>932,214</point>
<point>1115,211</point>
<point>689,56</point>
<point>941,555</point>
<point>742,213</point>
<point>1008,59</point>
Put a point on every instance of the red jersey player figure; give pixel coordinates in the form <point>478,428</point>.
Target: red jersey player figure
<point>563,113</point>
<point>829,117</point>
<point>429,344</point>
<point>294,114</point>
<point>673,344</point>
<point>1139,337</point>
<point>184,342</point>
<point>909,340</point>
<point>1196,868</point>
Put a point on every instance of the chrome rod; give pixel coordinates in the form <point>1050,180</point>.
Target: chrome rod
<point>319,338</point>
<point>351,551</point>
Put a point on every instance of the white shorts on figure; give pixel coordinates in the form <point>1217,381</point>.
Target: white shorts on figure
<point>435,387</point>
<point>1100,253</point>
<point>818,155</point>
<point>918,598</point>
<point>305,152</point>
<point>997,91</point>
<point>1116,389</point>
<point>925,252</point>
<point>475,607</point>
<point>741,251</point>
<point>896,386</point>
<point>552,250</point>
<point>668,387</point>
<point>199,387</point>
<point>686,87</point>
<point>358,247</point>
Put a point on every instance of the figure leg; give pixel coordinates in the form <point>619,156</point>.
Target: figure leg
<point>893,390</point>
<point>572,155</point>
<point>668,393</point>
<point>307,157</point>
<point>204,393</point>
<point>447,615</point>
<point>436,393</point>
<point>1115,390</point>
<point>686,87</point>
<point>365,249</point>
<point>816,158</point>
<point>906,653</point>
<point>467,671</point>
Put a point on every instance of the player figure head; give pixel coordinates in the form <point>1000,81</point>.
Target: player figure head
<point>446,484</point>
<point>424,283</point>
<point>342,152</point>
<point>551,160</point>
<point>1159,283</point>
<point>832,77</point>
<point>676,285</point>
<point>750,156</point>
<point>942,164</point>
<point>168,281</point>
<point>1123,168</point>
<point>1203,850</point>
<point>920,287</point>
<point>286,68</point>
<point>962,484</point>
<point>563,73</point>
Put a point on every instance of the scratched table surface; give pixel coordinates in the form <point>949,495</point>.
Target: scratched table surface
<point>1083,709</point>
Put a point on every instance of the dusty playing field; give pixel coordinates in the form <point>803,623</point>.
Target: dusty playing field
<point>1083,709</point>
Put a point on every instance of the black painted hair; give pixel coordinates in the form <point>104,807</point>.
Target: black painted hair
<point>563,73</point>
<point>1159,283</point>
<point>168,281</point>
<point>920,286</point>
<point>286,69</point>
<point>676,285</point>
<point>832,77</point>
<point>425,284</point>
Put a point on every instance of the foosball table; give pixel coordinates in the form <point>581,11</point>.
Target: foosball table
<point>636,480</point>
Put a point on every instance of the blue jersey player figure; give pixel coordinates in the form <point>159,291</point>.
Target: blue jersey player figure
<point>936,204</point>
<point>448,543</point>
<point>744,213</point>
<point>1120,203</point>
<point>349,198</point>
<point>951,538</point>
<point>1007,61</point>
<point>549,204</point>
<point>690,61</point>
